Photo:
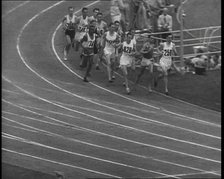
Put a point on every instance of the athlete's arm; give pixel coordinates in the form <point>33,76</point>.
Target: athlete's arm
<point>84,39</point>
<point>104,40</point>
<point>118,39</point>
<point>105,27</point>
<point>160,48</point>
<point>63,23</point>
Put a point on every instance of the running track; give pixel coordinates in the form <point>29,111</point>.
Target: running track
<point>51,120</point>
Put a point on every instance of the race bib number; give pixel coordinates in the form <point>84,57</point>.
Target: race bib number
<point>127,49</point>
<point>82,29</point>
<point>91,44</point>
<point>167,53</point>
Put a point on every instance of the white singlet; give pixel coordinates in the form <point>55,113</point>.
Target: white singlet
<point>127,49</point>
<point>82,28</point>
<point>166,60</point>
<point>70,22</point>
<point>110,40</point>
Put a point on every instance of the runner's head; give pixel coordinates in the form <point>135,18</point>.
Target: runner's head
<point>93,22</point>
<point>111,27</point>
<point>96,11</point>
<point>91,29</point>
<point>117,25</point>
<point>99,16</point>
<point>129,37</point>
<point>165,10</point>
<point>70,10</point>
<point>84,11</point>
<point>169,38</point>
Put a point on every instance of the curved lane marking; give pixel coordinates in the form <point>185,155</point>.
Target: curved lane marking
<point>13,9</point>
<point>12,137</point>
<point>58,163</point>
<point>110,149</point>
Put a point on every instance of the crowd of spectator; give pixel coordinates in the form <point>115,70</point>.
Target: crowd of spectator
<point>142,14</point>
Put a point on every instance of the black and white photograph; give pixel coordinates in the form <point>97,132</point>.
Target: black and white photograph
<point>105,89</point>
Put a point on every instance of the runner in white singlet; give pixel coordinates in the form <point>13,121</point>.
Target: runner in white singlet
<point>88,42</point>
<point>101,27</point>
<point>128,49</point>
<point>69,25</point>
<point>165,63</point>
<point>109,44</point>
<point>83,22</point>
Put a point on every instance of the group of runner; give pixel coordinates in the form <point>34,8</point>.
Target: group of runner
<point>101,42</point>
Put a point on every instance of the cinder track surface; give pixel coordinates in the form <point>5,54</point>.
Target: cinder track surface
<point>52,120</point>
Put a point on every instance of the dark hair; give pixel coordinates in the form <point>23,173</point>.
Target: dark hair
<point>96,9</point>
<point>129,33</point>
<point>111,24</point>
<point>169,34</point>
<point>70,7</point>
<point>93,20</point>
<point>116,22</point>
<point>91,26</point>
<point>99,13</point>
<point>200,50</point>
<point>85,8</point>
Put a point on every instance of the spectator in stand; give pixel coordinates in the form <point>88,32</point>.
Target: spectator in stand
<point>133,9</point>
<point>118,12</point>
<point>155,7</point>
<point>165,23</point>
<point>143,16</point>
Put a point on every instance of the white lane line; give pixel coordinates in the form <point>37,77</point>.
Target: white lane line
<point>24,107</point>
<point>47,133</point>
<point>173,126</point>
<point>17,127</point>
<point>13,9</point>
<point>118,138</point>
<point>59,163</point>
<point>56,54</point>
<point>12,137</point>
<point>92,99</point>
<point>9,91</point>
<point>128,127</point>
<point>19,106</point>
<point>198,173</point>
